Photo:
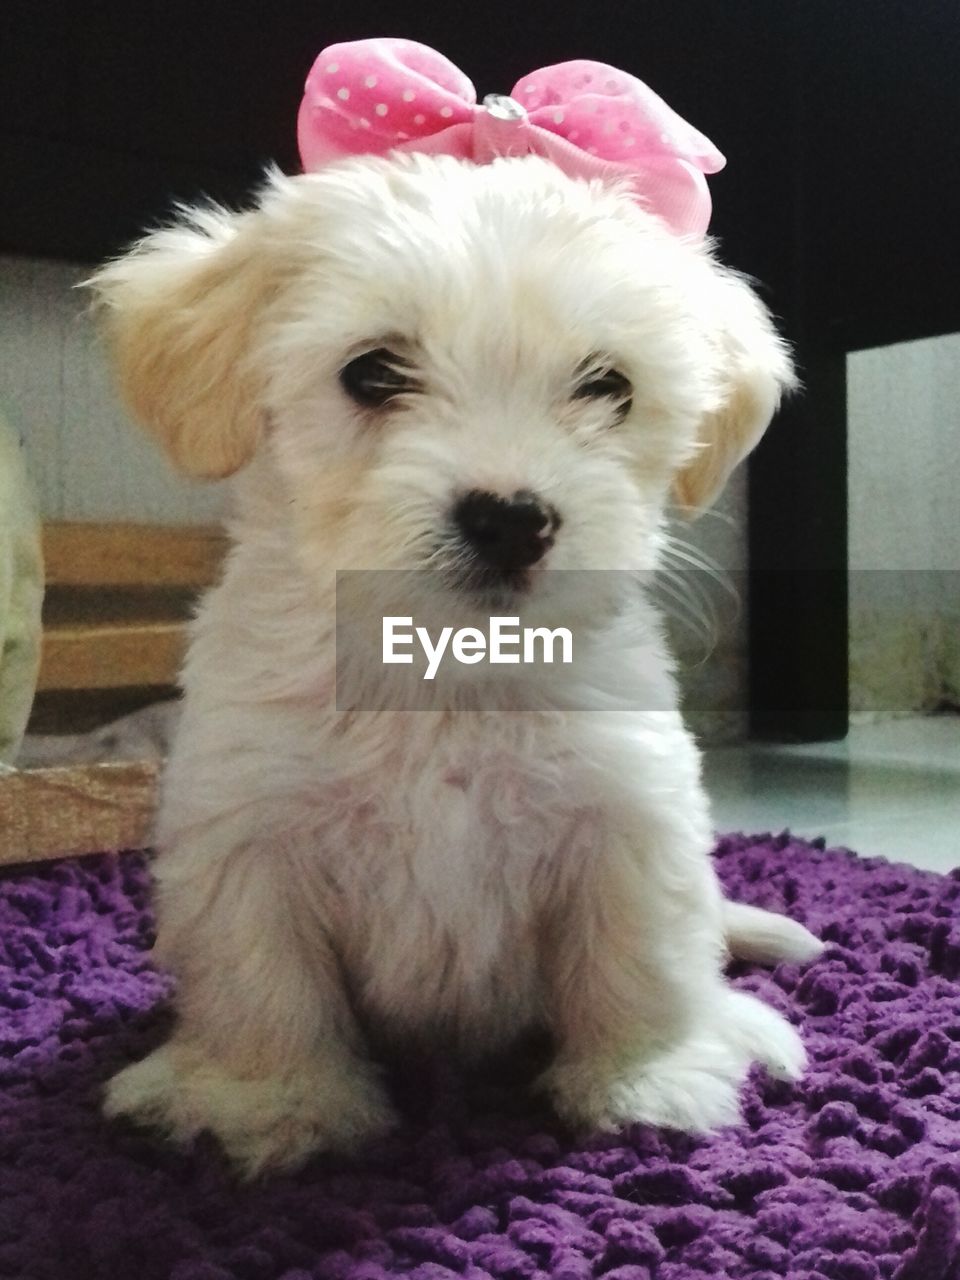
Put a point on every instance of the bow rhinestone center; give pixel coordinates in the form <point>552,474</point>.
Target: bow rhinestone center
<point>502,107</point>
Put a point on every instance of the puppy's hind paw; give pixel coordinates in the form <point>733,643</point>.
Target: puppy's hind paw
<point>673,1092</point>
<point>694,1087</point>
<point>757,1033</point>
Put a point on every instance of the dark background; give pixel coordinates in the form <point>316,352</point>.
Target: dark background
<point>839,120</point>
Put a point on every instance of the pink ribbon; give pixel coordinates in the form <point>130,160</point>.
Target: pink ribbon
<point>368,97</point>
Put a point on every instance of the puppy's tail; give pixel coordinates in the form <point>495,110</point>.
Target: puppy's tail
<point>765,938</point>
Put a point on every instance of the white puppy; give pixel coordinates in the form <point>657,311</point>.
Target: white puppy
<point>478,376</point>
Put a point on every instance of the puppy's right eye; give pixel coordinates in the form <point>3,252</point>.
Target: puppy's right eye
<point>377,377</point>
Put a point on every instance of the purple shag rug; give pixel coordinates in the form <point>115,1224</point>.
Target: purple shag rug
<point>853,1175</point>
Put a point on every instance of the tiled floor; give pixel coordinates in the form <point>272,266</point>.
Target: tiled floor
<point>891,789</point>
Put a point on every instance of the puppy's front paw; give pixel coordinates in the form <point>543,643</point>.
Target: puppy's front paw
<point>694,1087</point>
<point>266,1124</point>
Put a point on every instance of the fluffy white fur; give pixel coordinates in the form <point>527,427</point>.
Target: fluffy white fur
<point>503,858</point>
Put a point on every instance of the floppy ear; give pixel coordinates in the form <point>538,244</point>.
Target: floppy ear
<point>179,311</point>
<point>753,369</point>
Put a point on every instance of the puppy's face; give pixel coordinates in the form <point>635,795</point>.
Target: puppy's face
<point>481,372</point>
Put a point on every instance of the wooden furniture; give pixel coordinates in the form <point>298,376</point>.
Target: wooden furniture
<point>117,598</point>
<point>54,813</point>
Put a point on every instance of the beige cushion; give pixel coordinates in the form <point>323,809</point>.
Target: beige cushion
<point>21,594</point>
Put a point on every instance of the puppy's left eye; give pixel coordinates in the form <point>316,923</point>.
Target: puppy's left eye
<point>376,377</point>
<point>607,384</point>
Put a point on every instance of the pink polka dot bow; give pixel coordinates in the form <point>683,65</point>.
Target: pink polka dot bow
<point>368,97</point>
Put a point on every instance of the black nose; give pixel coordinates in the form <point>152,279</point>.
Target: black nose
<point>506,533</point>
